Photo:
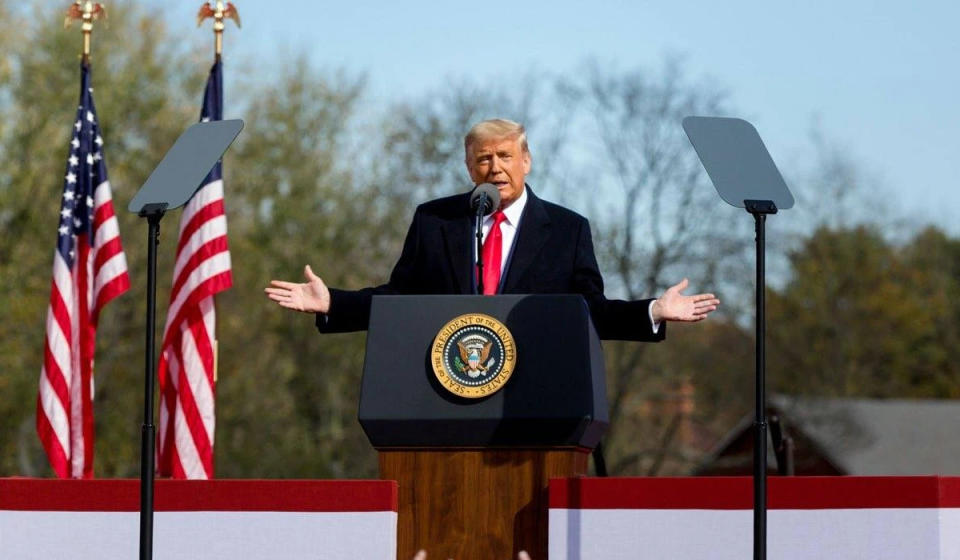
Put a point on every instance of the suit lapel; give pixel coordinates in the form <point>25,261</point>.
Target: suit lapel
<point>457,236</point>
<point>532,235</point>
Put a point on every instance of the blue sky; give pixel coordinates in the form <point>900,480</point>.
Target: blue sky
<point>881,79</point>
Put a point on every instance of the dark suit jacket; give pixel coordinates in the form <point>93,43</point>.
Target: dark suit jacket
<point>552,254</point>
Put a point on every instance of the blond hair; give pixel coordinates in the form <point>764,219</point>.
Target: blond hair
<point>496,128</point>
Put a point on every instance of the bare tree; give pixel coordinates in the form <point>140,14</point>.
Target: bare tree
<point>661,222</point>
<point>423,145</point>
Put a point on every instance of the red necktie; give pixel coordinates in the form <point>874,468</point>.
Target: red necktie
<point>492,255</point>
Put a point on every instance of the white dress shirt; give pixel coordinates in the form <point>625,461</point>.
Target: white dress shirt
<point>508,228</point>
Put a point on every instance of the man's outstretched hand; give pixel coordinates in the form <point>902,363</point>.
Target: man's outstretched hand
<point>674,306</point>
<point>310,297</point>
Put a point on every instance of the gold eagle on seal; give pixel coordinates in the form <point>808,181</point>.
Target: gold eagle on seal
<point>474,358</point>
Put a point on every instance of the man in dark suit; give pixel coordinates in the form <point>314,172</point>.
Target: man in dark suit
<point>535,247</point>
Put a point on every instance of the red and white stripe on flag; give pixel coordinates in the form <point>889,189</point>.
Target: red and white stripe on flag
<point>89,270</point>
<point>188,353</point>
<point>186,371</point>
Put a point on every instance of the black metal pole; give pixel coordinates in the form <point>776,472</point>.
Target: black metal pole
<point>153,213</point>
<point>481,209</point>
<point>760,209</point>
<point>599,462</point>
<point>760,421</point>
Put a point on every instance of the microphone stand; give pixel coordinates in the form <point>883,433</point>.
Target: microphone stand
<point>481,210</point>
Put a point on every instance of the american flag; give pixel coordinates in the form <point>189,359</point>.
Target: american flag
<point>89,270</point>
<point>188,356</point>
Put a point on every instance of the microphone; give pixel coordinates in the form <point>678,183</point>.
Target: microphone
<point>484,199</point>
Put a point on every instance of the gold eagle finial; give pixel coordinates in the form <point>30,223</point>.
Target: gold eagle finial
<point>218,12</point>
<point>87,12</point>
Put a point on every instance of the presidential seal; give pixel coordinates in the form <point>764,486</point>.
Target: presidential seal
<point>473,355</point>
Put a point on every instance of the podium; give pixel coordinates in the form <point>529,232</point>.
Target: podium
<point>473,473</point>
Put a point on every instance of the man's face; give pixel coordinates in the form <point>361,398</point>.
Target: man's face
<point>502,162</point>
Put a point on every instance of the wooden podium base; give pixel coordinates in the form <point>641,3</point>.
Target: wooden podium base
<point>476,504</point>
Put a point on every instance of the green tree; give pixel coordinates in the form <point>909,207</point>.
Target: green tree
<point>287,397</point>
<point>142,79</point>
<point>656,220</point>
<point>856,315</point>
<point>294,194</point>
<point>423,140</point>
<point>863,317</point>
<point>933,269</point>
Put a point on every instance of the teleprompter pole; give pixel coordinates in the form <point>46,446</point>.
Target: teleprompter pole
<point>759,209</point>
<point>169,186</point>
<point>153,213</point>
<point>745,176</point>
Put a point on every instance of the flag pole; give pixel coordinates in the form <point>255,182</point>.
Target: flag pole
<point>217,12</point>
<point>86,12</point>
<point>87,237</point>
<point>182,460</point>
